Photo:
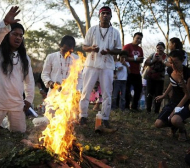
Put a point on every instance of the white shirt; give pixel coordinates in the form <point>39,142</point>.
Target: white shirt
<point>14,85</point>
<point>3,30</point>
<point>56,68</point>
<point>122,74</point>
<point>111,41</point>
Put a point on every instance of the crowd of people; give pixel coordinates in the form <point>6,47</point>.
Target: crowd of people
<point>116,70</point>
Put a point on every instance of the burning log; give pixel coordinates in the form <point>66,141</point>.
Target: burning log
<point>75,159</point>
<point>96,162</point>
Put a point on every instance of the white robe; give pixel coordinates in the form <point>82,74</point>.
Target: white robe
<point>14,85</point>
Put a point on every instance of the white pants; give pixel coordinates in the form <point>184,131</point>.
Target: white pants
<point>16,119</point>
<point>90,76</point>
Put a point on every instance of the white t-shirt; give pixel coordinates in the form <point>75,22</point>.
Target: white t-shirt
<point>111,41</point>
<point>122,74</point>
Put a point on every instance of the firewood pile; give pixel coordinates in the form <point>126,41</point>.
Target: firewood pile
<point>73,160</point>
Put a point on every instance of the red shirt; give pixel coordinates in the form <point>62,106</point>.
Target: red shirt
<point>132,51</point>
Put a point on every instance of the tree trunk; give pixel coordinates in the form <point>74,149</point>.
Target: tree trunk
<point>120,23</point>
<point>182,19</point>
<point>166,36</point>
<point>86,7</point>
<point>77,19</point>
<point>88,15</point>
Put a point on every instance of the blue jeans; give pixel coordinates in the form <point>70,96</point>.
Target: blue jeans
<point>119,86</point>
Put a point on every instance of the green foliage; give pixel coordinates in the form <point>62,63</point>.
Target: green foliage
<point>39,43</point>
<point>98,152</point>
<point>25,158</point>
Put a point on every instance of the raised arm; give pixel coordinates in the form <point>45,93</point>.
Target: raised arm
<point>10,16</point>
<point>9,19</point>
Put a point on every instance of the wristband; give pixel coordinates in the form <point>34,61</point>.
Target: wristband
<point>135,58</point>
<point>41,89</point>
<point>178,109</point>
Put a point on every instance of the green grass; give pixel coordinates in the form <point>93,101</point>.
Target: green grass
<point>136,144</point>
<point>37,98</point>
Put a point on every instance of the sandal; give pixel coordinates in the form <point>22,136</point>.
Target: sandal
<point>182,135</point>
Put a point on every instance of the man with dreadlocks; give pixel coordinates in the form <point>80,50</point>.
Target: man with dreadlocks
<point>16,78</point>
<point>102,42</point>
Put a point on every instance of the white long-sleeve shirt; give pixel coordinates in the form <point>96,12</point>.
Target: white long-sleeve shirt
<point>14,85</point>
<point>56,68</point>
<point>111,41</point>
<point>3,30</point>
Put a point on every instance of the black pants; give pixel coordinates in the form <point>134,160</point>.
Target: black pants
<point>134,80</point>
<point>154,88</point>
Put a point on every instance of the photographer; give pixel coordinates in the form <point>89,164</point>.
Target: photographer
<point>155,76</point>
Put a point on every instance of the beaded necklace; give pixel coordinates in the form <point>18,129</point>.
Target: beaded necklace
<point>15,56</point>
<point>103,36</point>
<point>67,64</point>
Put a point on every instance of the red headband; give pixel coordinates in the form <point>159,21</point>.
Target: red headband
<point>104,9</point>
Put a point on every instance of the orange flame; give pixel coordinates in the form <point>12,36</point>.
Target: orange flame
<point>59,134</point>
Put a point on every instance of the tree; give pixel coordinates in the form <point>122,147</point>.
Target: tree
<point>131,14</point>
<point>160,11</point>
<point>181,12</point>
<point>71,5</point>
<point>32,11</point>
<point>120,8</point>
<point>88,14</point>
<point>39,43</point>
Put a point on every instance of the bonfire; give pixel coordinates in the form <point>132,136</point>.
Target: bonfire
<point>63,100</point>
<point>62,113</point>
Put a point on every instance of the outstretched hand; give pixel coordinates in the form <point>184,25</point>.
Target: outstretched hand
<point>10,16</point>
<point>159,98</point>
